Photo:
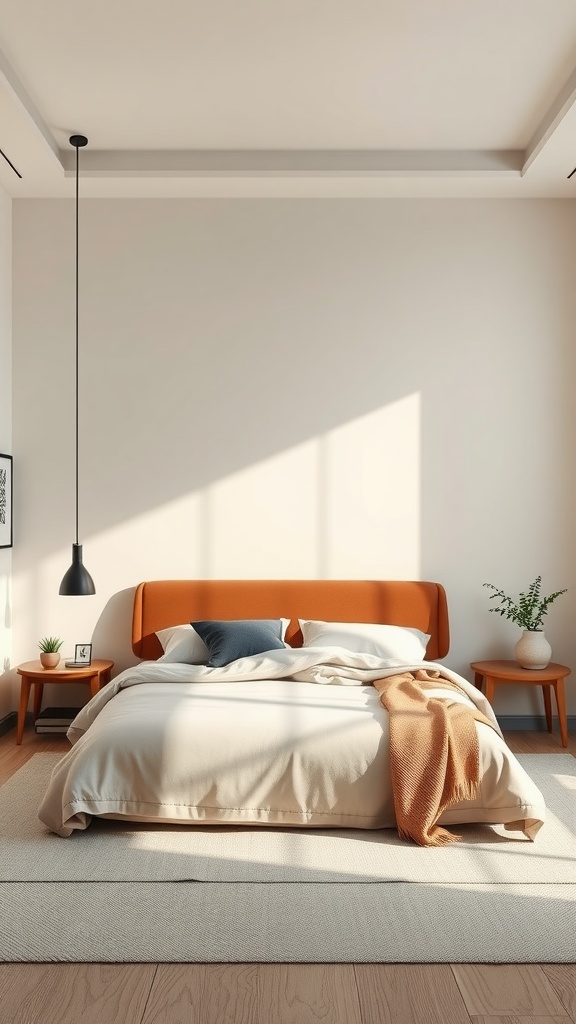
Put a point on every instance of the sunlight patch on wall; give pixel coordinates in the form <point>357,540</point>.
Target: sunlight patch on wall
<point>262,521</point>
<point>372,493</point>
<point>345,504</point>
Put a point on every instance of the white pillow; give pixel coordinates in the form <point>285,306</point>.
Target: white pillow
<point>398,643</point>
<point>182,644</point>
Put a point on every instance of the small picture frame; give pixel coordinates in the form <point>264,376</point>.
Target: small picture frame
<point>82,654</point>
<point>6,501</point>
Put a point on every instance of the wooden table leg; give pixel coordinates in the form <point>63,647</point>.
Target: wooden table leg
<point>547,705</point>
<point>23,707</point>
<point>94,683</point>
<point>38,691</point>
<point>489,691</point>
<point>478,680</point>
<point>561,705</point>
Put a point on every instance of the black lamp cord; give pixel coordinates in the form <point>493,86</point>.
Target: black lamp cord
<point>77,378</point>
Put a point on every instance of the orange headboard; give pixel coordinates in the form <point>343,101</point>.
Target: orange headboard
<point>163,603</point>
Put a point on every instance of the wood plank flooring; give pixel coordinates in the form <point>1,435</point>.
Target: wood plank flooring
<point>284,993</point>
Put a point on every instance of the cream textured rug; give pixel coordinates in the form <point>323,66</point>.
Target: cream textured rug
<point>484,917</point>
<point>114,851</point>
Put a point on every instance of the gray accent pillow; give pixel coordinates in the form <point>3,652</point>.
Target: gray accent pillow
<point>230,639</point>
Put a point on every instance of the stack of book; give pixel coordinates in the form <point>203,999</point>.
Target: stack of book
<point>55,719</point>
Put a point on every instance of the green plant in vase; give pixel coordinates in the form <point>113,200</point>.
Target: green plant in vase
<point>527,611</point>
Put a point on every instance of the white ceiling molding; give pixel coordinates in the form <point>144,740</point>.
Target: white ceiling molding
<point>553,118</point>
<point>294,163</point>
<point>12,83</point>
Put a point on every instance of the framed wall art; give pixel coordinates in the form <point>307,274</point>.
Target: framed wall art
<point>5,501</point>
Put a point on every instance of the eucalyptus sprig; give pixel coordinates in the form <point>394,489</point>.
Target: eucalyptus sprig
<point>529,610</point>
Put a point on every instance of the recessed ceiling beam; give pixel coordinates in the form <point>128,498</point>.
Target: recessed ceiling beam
<point>17,90</point>
<point>552,119</point>
<point>296,163</point>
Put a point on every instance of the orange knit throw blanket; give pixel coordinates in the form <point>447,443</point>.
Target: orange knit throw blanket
<point>434,752</point>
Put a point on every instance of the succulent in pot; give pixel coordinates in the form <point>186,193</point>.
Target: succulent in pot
<point>49,648</point>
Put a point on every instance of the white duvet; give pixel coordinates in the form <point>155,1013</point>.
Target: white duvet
<point>259,741</point>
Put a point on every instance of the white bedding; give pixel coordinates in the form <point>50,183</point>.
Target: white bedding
<point>260,742</point>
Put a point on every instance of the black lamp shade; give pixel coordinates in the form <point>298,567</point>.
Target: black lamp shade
<point>77,581</point>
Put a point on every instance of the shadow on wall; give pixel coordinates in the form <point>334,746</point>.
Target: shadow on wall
<point>113,631</point>
<point>6,674</point>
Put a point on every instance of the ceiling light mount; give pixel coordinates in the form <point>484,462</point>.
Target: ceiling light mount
<point>77,581</point>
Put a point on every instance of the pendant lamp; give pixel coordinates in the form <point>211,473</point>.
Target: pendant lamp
<point>77,581</point>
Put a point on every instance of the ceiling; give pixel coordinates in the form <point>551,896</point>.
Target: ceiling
<point>289,97</point>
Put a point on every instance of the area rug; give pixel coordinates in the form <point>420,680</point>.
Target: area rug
<point>360,920</point>
<point>114,851</point>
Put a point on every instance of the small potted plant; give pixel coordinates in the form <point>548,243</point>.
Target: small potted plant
<point>49,647</point>
<point>528,611</point>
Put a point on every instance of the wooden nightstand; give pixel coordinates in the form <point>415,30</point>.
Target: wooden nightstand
<point>498,673</point>
<point>34,674</point>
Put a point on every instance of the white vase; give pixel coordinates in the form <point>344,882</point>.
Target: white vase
<point>533,650</point>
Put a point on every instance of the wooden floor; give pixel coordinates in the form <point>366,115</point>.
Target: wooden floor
<point>284,993</point>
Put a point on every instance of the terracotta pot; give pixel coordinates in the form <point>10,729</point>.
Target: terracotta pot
<point>49,660</point>
<point>533,650</point>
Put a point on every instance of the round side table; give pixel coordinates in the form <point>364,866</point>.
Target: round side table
<point>499,673</point>
<point>34,674</point>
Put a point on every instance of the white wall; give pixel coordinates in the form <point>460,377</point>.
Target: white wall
<point>6,700</point>
<point>299,388</point>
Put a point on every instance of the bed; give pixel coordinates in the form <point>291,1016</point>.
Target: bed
<point>291,736</point>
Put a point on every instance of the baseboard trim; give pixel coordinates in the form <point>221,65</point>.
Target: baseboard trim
<point>531,723</point>
<point>8,722</point>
